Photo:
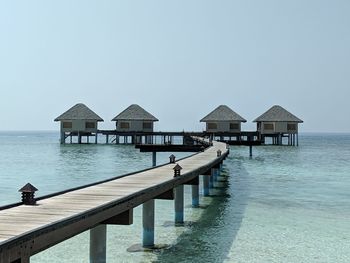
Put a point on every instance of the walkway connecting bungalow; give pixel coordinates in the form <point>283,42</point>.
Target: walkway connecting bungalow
<point>135,125</point>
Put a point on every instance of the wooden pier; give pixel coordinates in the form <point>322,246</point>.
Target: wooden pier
<point>29,229</point>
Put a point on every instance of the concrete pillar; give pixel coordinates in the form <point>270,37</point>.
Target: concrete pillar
<point>107,138</point>
<point>211,178</point>
<point>96,138</point>
<point>250,151</point>
<point>98,238</point>
<point>195,195</point>
<point>154,159</point>
<point>206,185</point>
<point>215,174</point>
<point>179,204</point>
<point>148,224</point>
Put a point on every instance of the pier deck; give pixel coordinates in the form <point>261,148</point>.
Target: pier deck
<point>27,230</point>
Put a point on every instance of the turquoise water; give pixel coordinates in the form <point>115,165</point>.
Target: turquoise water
<point>286,204</point>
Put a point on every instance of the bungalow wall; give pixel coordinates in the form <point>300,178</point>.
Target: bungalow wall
<point>223,126</point>
<point>278,127</point>
<point>138,126</point>
<point>79,126</point>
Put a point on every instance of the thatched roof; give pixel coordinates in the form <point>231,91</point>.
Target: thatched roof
<point>135,112</point>
<point>79,112</point>
<point>278,114</point>
<point>223,113</point>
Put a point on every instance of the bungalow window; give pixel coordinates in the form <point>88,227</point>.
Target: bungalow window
<point>212,126</point>
<point>291,127</point>
<point>147,125</point>
<point>90,125</point>
<point>67,125</point>
<point>125,125</point>
<point>234,126</point>
<point>268,126</point>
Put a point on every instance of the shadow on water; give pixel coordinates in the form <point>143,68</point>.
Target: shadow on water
<point>212,236</point>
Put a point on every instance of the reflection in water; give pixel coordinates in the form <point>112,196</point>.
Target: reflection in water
<point>211,237</point>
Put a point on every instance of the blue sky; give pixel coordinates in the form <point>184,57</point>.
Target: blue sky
<point>177,59</point>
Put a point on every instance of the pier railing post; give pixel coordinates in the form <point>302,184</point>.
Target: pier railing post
<point>98,238</point>
<point>179,204</point>
<point>148,224</point>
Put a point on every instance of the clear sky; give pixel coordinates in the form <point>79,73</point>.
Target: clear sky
<point>177,59</point>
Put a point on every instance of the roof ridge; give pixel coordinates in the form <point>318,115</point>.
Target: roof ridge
<point>223,113</point>
<point>278,114</point>
<point>134,112</point>
<point>79,112</point>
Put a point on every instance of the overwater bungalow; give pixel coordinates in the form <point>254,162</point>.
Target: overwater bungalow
<point>223,120</point>
<point>277,123</point>
<point>78,121</point>
<point>135,119</point>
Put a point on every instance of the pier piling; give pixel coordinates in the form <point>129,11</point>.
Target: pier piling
<point>179,204</point>
<point>206,185</point>
<point>154,159</point>
<point>98,239</point>
<point>148,224</point>
<point>211,178</point>
<point>195,195</point>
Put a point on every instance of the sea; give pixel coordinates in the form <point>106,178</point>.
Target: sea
<point>285,204</point>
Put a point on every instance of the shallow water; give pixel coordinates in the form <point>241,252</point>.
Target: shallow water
<point>286,204</point>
